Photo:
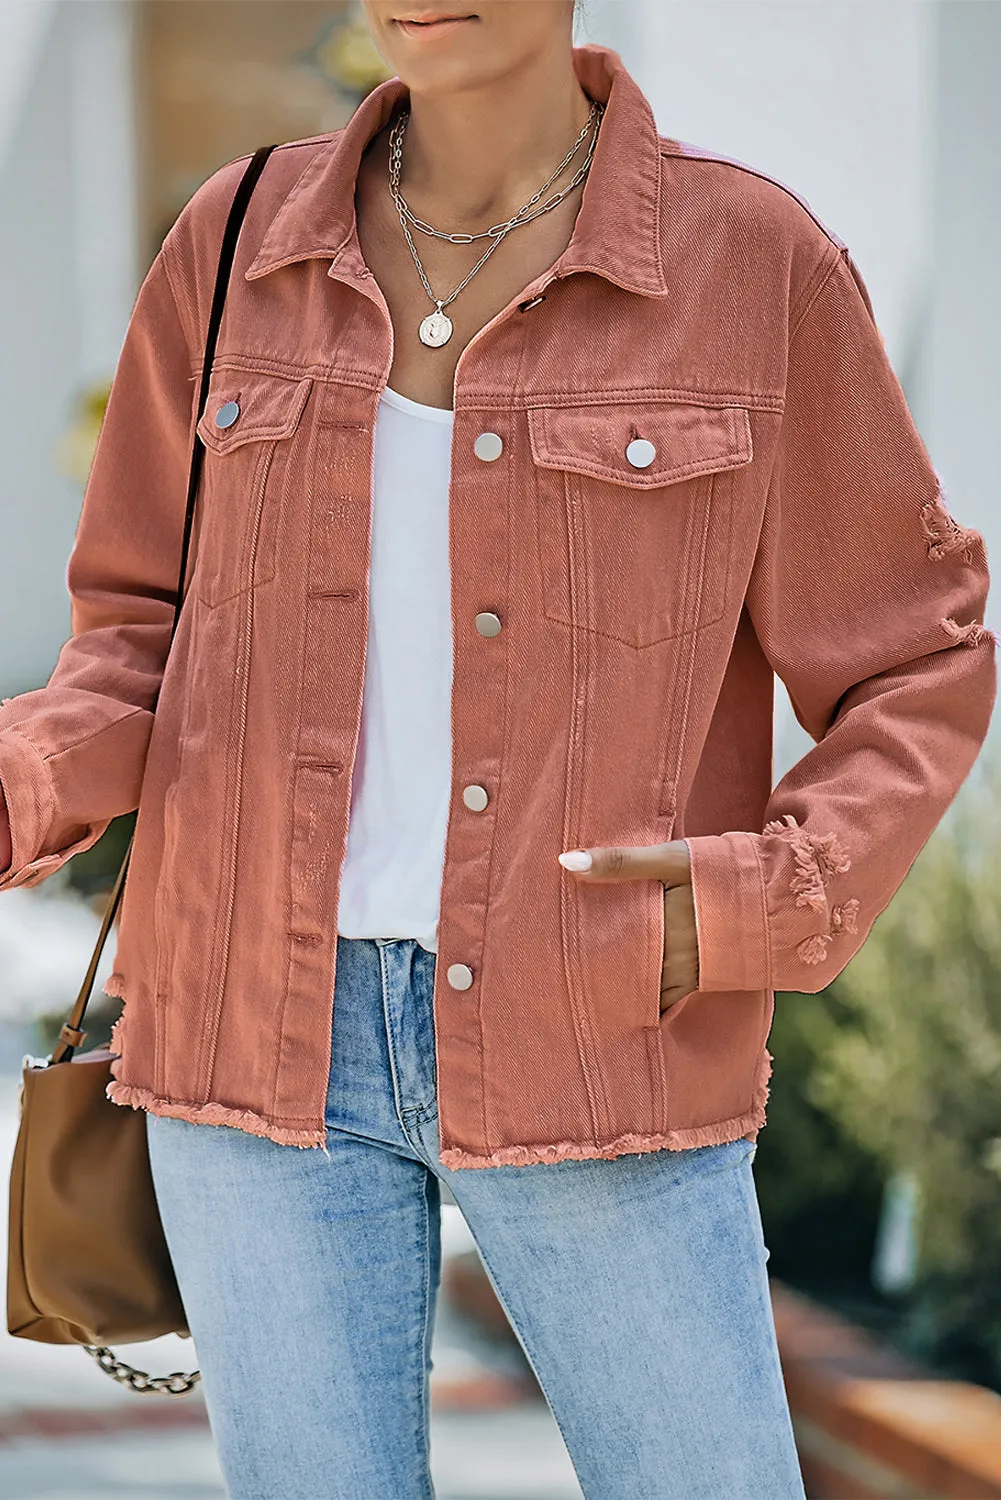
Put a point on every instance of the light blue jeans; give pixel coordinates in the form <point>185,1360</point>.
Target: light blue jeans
<point>637,1286</point>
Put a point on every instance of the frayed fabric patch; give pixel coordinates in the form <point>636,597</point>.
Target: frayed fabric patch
<point>818,857</point>
<point>967,635</point>
<point>813,950</point>
<point>844,918</point>
<point>943,534</point>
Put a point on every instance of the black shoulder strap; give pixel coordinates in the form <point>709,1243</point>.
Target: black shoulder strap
<point>231,234</point>
<point>72,1034</point>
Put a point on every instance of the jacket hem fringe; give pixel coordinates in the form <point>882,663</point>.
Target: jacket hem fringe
<point>716,1134</point>
<point>211,1114</point>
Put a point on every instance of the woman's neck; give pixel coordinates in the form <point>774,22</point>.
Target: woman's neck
<point>476,157</point>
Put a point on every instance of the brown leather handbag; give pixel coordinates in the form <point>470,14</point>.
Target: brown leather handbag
<point>88,1262</point>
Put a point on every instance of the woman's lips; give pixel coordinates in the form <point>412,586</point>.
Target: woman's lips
<point>433,28</point>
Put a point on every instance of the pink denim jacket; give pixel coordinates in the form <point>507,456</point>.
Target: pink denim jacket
<point>616,631</point>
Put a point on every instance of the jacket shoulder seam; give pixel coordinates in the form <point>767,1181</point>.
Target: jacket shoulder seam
<point>815,284</point>
<point>165,254</point>
<point>698,153</point>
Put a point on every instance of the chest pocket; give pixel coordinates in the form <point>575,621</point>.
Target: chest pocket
<point>634,514</point>
<point>250,428</point>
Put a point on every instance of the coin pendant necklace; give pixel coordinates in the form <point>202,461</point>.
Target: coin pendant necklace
<point>436,329</point>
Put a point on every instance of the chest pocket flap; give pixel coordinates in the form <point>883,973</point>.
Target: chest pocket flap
<point>687,440</point>
<point>246,407</point>
<point>250,429</point>
<point>634,511</point>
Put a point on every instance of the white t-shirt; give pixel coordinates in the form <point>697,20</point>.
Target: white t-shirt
<point>391,879</point>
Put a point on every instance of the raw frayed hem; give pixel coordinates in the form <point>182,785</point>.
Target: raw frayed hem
<point>968,635</point>
<point>943,534</point>
<point>716,1134</point>
<point>212,1114</point>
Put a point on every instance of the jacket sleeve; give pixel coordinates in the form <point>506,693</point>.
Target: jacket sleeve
<point>867,598</point>
<point>72,753</point>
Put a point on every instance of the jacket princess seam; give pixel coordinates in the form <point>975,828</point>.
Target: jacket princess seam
<point>569,898</point>
<point>697,624</point>
<point>311,461</point>
<point>217,968</point>
<point>248,563</point>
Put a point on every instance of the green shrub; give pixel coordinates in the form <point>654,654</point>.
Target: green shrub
<point>819,1189</point>
<point>913,1076</point>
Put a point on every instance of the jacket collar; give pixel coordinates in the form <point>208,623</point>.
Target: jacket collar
<point>617,232</point>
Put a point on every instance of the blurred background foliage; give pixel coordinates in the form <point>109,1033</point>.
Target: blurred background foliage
<point>895,1071</point>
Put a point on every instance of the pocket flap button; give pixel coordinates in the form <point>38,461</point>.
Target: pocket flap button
<point>641,453</point>
<point>227,415</point>
<point>460,976</point>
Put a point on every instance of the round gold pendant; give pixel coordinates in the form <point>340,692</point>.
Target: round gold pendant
<point>436,329</point>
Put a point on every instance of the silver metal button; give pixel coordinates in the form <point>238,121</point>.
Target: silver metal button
<point>487,623</point>
<point>459,976</point>
<point>475,797</point>
<point>641,453</point>
<point>488,446</point>
<point>227,415</point>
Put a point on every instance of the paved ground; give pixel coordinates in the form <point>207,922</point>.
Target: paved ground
<point>67,1432</point>
<point>501,1456</point>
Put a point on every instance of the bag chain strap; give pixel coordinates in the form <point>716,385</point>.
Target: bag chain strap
<point>177,1384</point>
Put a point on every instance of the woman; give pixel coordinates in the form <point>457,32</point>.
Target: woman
<point>502,537</point>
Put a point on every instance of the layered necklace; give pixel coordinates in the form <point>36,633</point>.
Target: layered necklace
<point>436,328</point>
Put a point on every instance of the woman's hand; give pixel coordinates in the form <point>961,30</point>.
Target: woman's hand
<point>670,863</point>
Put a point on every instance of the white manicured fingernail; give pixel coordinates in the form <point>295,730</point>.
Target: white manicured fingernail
<point>576,859</point>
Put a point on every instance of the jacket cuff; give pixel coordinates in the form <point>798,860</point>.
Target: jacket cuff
<point>731,914</point>
<point>27,790</point>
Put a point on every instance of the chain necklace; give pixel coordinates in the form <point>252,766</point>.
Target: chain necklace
<point>436,329</point>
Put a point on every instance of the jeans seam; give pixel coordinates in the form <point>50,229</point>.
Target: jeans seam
<point>390,1045</point>
<point>527,1344</point>
<point>423,1403</point>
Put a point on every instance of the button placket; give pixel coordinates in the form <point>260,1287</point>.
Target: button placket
<point>487,447</point>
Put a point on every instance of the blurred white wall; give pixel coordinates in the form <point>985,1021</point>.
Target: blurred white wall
<point>886,116</point>
<point>68,258</point>
<point>832,97</point>
<point>957,375</point>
